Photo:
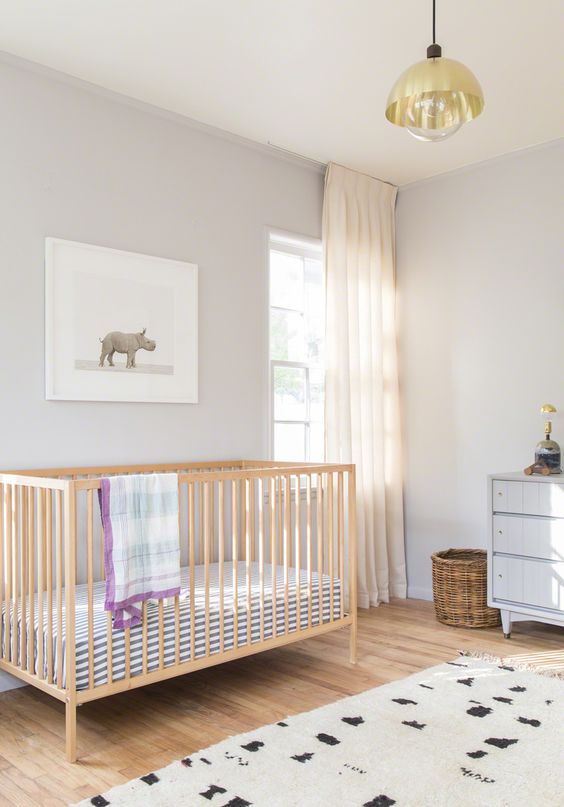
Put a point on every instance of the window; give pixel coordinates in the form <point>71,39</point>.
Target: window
<point>297,327</point>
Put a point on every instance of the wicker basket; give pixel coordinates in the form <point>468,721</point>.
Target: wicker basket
<point>460,589</point>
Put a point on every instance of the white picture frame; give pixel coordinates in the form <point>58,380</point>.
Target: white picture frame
<point>119,326</point>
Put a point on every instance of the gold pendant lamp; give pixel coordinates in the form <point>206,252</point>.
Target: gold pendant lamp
<point>435,97</point>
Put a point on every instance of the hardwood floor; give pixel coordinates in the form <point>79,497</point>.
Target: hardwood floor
<point>128,735</point>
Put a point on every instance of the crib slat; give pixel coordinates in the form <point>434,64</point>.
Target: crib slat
<point>177,629</point>
<point>191,550</point>
<point>235,557</point>
<point>297,559</point>
<point>330,541</point>
<point>70,544</point>
<point>8,527</point>
<point>248,556</point>
<point>308,549</point>
<point>161,634</point>
<point>320,537</point>
<point>3,612</point>
<point>31,577</point>
<point>207,518</point>
<point>59,583</point>
<point>40,577</point>
<point>341,540</point>
<point>221,560</point>
<point>200,523</point>
<point>287,548</point>
<point>18,562</point>
<point>211,548</point>
<point>261,552</point>
<point>23,542</point>
<point>49,581</point>
<point>272,512</point>
<point>90,581</point>
<point>144,638</point>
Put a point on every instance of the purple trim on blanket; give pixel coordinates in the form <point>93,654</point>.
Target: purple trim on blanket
<point>118,608</point>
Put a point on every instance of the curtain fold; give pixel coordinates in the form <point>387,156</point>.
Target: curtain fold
<point>362,417</point>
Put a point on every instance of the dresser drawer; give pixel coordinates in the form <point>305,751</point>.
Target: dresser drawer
<point>533,498</point>
<point>529,582</point>
<point>534,537</point>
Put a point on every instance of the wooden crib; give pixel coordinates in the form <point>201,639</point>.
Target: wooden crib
<point>268,556</point>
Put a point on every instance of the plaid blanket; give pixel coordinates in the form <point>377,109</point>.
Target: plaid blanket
<point>141,542</point>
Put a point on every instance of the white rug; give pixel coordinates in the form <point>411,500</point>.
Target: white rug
<point>467,733</point>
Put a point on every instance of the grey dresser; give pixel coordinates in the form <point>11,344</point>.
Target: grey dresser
<point>526,548</point>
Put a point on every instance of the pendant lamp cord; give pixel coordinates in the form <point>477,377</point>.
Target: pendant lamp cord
<point>434,36</point>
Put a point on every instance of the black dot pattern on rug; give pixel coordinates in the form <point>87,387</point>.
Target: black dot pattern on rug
<point>303,757</point>
<point>237,802</point>
<point>476,754</point>
<point>212,791</point>
<point>404,701</point>
<point>254,746</point>
<point>479,711</point>
<point>466,681</point>
<point>549,702</point>
<point>500,742</point>
<point>426,686</point>
<point>150,779</point>
<point>509,669</point>
<point>99,801</point>
<point>205,761</point>
<point>456,664</point>
<point>527,722</point>
<point>328,739</point>
<point>501,699</point>
<point>380,801</point>
<point>187,762</point>
<point>242,763</point>
<point>353,721</point>
<point>414,724</point>
<point>477,776</point>
<point>517,689</point>
<point>281,723</point>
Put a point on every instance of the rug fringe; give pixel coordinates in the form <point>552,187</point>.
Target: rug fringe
<point>512,661</point>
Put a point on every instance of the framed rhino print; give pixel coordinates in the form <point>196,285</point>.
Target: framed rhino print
<point>119,326</point>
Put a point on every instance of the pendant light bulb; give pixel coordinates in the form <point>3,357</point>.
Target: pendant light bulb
<point>434,98</point>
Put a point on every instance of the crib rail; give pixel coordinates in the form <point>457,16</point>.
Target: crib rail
<point>268,552</point>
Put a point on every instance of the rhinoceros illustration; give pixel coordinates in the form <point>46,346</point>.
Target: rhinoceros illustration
<point>119,342</point>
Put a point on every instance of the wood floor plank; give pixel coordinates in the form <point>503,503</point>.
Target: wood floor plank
<point>128,735</point>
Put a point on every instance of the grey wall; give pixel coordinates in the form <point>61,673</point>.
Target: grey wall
<point>481,297</point>
<point>85,166</point>
<point>79,165</point>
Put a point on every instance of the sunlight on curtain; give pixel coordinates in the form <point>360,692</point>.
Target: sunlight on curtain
<point>362,418</point>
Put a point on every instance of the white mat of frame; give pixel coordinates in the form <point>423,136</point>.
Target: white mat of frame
<point>468,733</point>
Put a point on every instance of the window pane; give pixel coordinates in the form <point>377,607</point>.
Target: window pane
<point>289,393</point>
<point>316,443</point>
<point>286,280</point>
<point>314,311</point>
<point>289,442</point>
<point>316,395</point>
<point>287,338</point>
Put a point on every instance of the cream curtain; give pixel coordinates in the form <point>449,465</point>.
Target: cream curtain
<point>362,419</point>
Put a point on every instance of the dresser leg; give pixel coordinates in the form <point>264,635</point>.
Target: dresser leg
<point>506,623</point>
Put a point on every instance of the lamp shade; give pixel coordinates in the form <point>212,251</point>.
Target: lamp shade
<point>434,97</point>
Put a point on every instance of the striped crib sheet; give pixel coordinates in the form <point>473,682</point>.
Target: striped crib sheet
<point>214,608</point>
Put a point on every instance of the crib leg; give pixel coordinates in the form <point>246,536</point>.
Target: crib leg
<point>70,729</point>
<point>352,643</point>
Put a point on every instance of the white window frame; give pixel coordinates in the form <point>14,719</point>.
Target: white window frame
<point>304,247</point>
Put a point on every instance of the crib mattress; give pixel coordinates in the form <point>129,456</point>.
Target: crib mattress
<point>318,616</point>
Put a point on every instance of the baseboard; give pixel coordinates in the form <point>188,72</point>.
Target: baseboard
<point>9,682</point>
<point>418,593</point>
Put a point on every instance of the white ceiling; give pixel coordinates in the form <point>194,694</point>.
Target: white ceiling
<point>311,76</point>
